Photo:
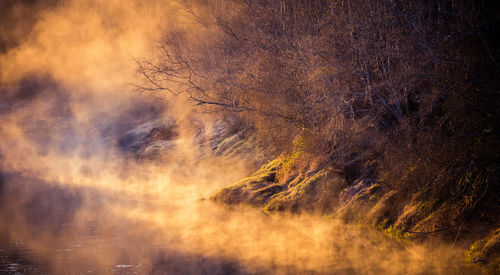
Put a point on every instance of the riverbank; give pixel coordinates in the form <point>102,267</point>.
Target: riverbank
<point>299,183</point>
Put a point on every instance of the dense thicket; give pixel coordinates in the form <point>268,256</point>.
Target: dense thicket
<point>409,90</point>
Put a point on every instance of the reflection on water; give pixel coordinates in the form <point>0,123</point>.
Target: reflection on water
<point>87,230</point>
<point>74,201</point>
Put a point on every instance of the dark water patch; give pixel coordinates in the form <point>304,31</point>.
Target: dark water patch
<point>17,258</point>
<point>38,204</point>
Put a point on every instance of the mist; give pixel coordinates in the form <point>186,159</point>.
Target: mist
<point>82,192</point>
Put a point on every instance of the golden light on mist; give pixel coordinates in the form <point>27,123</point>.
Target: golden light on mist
<point>144,214</point>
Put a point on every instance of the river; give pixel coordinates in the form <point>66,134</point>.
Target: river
<point>152,222</point>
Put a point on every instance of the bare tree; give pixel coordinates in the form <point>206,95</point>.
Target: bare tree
<point>323,67</point>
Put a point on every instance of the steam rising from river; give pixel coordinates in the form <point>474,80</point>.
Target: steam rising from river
<point>80,203</point>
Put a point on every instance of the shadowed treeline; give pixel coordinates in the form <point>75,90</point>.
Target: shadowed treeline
<point>398,96</point>
<point>110,146</point>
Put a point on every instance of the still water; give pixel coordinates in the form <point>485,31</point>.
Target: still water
<point>157,223</point>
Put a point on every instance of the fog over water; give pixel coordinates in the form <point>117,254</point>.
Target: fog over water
<point>76,199</point>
